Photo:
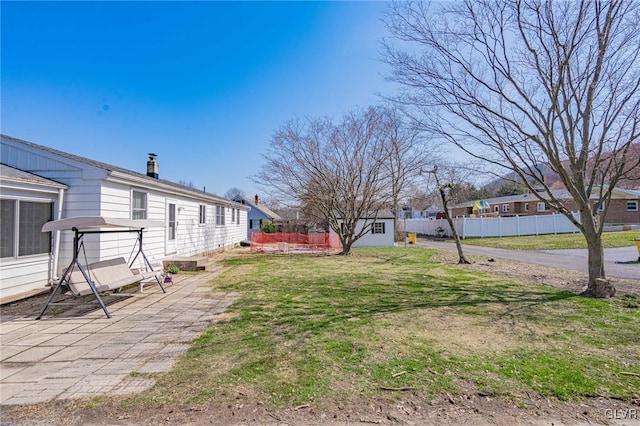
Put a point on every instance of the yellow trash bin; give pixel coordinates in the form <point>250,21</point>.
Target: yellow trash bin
<point>412,238</point>
<point>637,240</point>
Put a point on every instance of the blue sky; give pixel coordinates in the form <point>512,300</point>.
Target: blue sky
<point>202,84</point>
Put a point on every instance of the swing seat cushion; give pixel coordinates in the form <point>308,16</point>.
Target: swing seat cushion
<point>155,271</point>
<point>106,274</point>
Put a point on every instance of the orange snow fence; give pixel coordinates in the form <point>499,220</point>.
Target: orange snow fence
<point>283,242</point>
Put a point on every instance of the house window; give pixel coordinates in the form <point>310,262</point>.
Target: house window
<point>233,215</point>
<point>632,206</point>
<point>542,207</point>
<point>377,228</point>
<point>138,205</point>
<point>238,217</point>
<point>28,225</point>
<point>219,215</point>
<point>203,214</point>
<point>526,207</point>
<point>601,206</point>
<point>172,222</point>
<point>496,209</point>
<point>7,227</point>
<point>505,208</point>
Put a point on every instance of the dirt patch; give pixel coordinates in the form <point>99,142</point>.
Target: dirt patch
<point>401,408</point>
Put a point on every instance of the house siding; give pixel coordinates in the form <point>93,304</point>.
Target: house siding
<point>618,212</point>
<point>93,191</point>
<point>375,240</point>
<point>23,274</point>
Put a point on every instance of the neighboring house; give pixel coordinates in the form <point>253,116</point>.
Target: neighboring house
<point>257,214</point>
<point>428,211</point>
<point>380,234</point>
<point>623,208</point>
<point>41,183</point>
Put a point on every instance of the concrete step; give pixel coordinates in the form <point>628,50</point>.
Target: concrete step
<point>194,263</point>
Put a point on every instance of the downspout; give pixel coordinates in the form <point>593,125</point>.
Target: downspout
<point>56,241</point>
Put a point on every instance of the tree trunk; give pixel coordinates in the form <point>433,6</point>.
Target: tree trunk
<point>346,250</point>
<point>454,232</point>
<point>347,242</point>
<point>598,285</point>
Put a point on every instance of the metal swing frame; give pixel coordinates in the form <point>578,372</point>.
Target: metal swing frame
<point>78,246</point>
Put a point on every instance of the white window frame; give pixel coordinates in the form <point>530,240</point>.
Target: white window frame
<point>172,224</point>
<point>144,210</point>
<point>505,208</point>
<point>233,215</point>
<point>19,246</point>
<point>496,209</point>
<point>526,207</point>
<point>202,214</point>
<point>541,206</point>
<point>238,217</point>
<point>219,215</point>
<point>632,206</point>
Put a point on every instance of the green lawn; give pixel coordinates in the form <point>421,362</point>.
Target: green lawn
<point>308,330</point>
<point>552,242</point>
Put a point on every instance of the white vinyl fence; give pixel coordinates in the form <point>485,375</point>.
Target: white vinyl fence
<point>481,227</point>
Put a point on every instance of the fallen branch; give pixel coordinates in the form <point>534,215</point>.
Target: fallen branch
<point>279,419</point>
<point>300,407</point>
<point>396,389</point>
<point>398,374</point>
<point>628,373</point>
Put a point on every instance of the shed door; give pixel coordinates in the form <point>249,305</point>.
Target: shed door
<point>172,229</point>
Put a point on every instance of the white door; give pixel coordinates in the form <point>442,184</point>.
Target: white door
<point>172,229</point>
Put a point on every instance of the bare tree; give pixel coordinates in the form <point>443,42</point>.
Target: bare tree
<point>522,83</point>
<point>234,193</point>
<point>407,152</point>
<point>188,184</point>
<point>336,170</point>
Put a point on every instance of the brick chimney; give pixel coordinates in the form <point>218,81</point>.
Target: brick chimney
<point>152,166</point>
<point>257,199</point>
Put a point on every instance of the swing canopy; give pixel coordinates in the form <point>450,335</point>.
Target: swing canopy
<point>91,222</point>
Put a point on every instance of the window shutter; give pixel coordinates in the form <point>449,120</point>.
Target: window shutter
<point>383,224</point>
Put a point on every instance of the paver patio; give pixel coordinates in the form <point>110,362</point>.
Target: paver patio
<point>89,355</point>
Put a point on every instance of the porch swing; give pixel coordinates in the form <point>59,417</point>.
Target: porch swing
<point>106,275</point>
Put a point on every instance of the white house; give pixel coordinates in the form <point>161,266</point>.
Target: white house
<point>41,184</point>
<point>380,234</point>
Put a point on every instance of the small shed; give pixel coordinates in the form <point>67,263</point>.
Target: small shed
<point>381,230</point>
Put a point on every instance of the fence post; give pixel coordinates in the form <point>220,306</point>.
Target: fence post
<point>464,224</point>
